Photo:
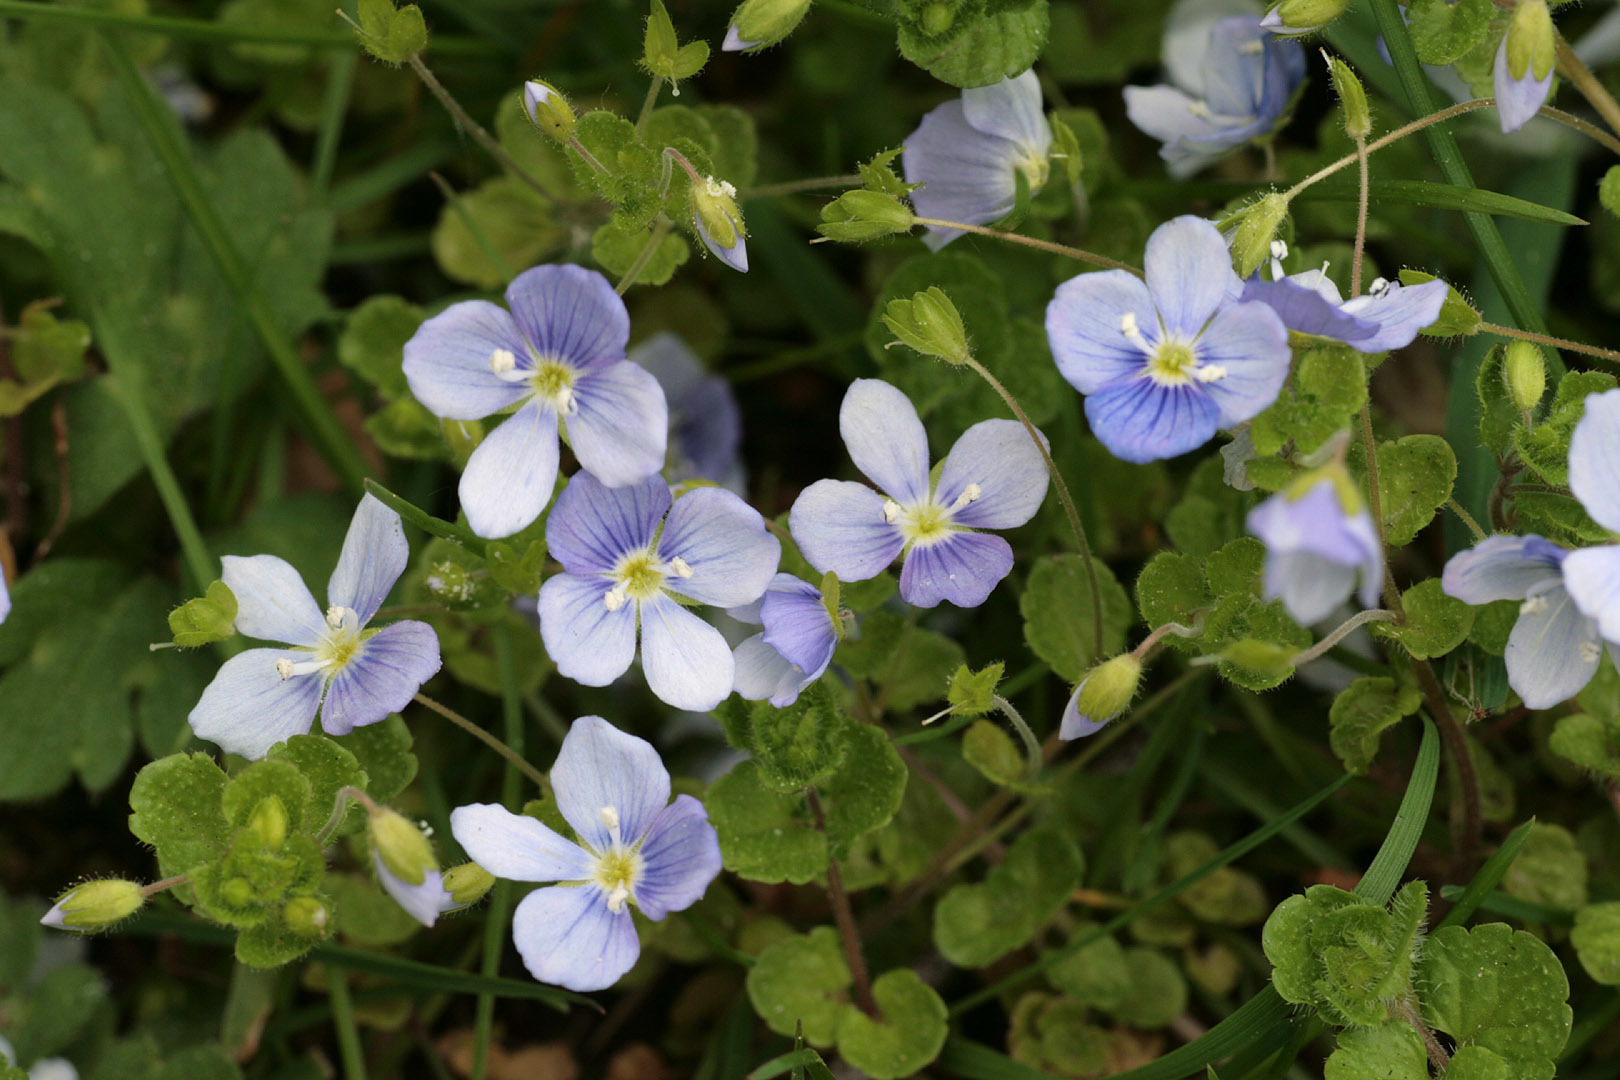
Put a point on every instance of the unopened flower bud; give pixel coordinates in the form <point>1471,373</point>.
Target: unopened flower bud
<point>468,883</point>
<point>95,905</point>
<point>719,222</point>
<point>1293,17</point>
<point>1531,40</point>
<point>269,822</point>
<point>938,17</point>
<point>864,215</point>
<point>1103,694</point>
<point>929,323</point>
<point>400,845</point>
<point>1256,227</point>
<point>757,24</point>
<point>1525,372</point>
<point>306,916</point>
<point>548,110</point>
<point>1262,657</point>
<point>1352,98</point>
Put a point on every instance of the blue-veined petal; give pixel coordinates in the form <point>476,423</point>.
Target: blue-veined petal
<point>593,526</point>
<point>762,673</point>
<point>600,766</point>
<point>962,568</point>
<point>1517,100</point>
<point>996,462</point>
<point>840,526</point>
<point>797,624</point>
<point>1085,327</point>
<point>885,439</point>
<point>570,315</point>
<point>516,846</point>
<point>1250,344</point>
<point>1553,651</point>
<point>1310,586</point>
<point>568,937</point>
<point>447,361</point>
<point>1075,724</point>
<point>966,175</point>
<point>383,676</point>
<point>1592,576</point>
<point>1012,110</point>
<point>1307,310</point>
<point>1398,312</point>
<point>588,641</point>
<point>680,856</point>
<point>687,662</point>
<point>725,544</point>
<point>1189,273</point>
<point>1139,421</point>
<point>1594,459</point>
<point>1502,568</point>
<point>272,601</point>
<point>249,707</point>
<point>374,555</point>
<point>509,478</point>
<point>620,426</point>
<point>422,902</point>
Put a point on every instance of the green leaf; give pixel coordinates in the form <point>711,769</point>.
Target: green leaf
<point>1415,475</point>
<point>502,217</point>
<point>799,746</point>
<point>1497,414</point>
<point>54,1011</point>
<point>1158,992</point>
<point>764,835</point>
<point>865,793</point>
<point>176,804</point>
<point>992,46</point>
<point>47,350</point>
<point>1498,988</point>
<point>1550,869</point>
<point>1172,589</point>
<point>1596,938</point>
<point>270,944</point>
<point>974,925</point>
<point>616,248</point>
<point>383,750</point>
<point>1487,877</point>
<point>1432,623</point>
<point>794,982</point>
<point>1442,32</point>
<point>1361,713</point>
<point>389,35</point>
<point>1545,447</point>
<point>908,1036</point>
<point>1096,973</point>
<point>972,693</point>
<point>991,751</point>
<point>366,915</point>
<point>1057,609</point>
<point>205,619</point>
<point>1392,1051</point>
<point>372,344</point>
<point>1327,391</point>
<point>1590,742</point>
<point>328,767</point>
<point>1609,190</point>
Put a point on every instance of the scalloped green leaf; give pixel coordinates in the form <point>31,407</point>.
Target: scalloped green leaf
<point>976,924</point>
<point>1499,988</point>
<point>908,1036</point>
<point>1057,610</point>
<point>802,980</point>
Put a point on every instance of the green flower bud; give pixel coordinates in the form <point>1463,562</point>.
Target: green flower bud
<point>1262,657</point>
<point>451,583</point>
<point>208,618</point>
<point>238,892</point>
<point>1352,97</point>
<point>548,110</point>
<point>1253,229</point>
<point>468,883</point>
<point>758,24</point>
<point>269,822</point>
<point>929,323</point>
<point>400,845</point>
<point>1525,372</point>
<point>864,215</point>
<point>306,916</point>
<point>715,210</point>
<point>937,18</point>
<point>1108,688</point>
<point>95,905</point>
<point>1531,40</point>
<point>1293,17</point>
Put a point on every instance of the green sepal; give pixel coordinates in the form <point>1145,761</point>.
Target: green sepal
<point>392,36</point>
<point>1545,447</point>
<point>205,619</point>
<point>1457,317</point>
<point>973,693</point>
<point>662,53</point>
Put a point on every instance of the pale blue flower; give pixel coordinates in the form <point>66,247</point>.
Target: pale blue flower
<point>1164,363</point>
<point>1389,316</point>
<point>635,847</point>
<point>993,478</point>
<point>705,425</point>
<point>1554,649</point>
<point>558,356</point>
<point>44,1069</point>
<point>1233,85</point>
<point>1319,538</point>
<point>967,155</point>
<point>627,555</point>
<point>5,598</point>
<point>425,901</point>
<point>1592,575</point>
<point>332,663</point>
<point>1517,100</point>
<point>795,648</point>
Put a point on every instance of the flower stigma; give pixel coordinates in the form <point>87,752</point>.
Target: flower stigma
<point>617,868</point>
<point>639,576</point>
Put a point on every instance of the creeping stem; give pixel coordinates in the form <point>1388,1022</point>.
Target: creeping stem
<point>1029,241</point>
<point>1571,67</point>
<point>1032,745</point>
<point>845,919</point>
<point>512,756</point>
<point>1548,339</point>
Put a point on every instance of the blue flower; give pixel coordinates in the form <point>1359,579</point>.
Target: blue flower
<point>1235,81</point>
<point>1529,49</point>
<point>967,155</point>
<point>558,356</point>
<point>1554,649</point>
<point>705,425</point>
<point>1389,316</point>
<point>993,478</point>
<point>1318,538</point>
<point>795,648</point>
<point>332,663</point>
<point>635,847</point>
<point>1167,362</point>
<point>425,901</point>
<point>625,564</point>
<point>718,221</point>
<point>1592,575</point>
<point>5,597</point>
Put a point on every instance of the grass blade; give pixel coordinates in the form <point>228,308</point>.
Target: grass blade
<point>1489,874</point>
<point>1378,884</point>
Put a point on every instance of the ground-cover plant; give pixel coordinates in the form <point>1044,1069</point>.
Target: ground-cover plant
<point>983,538</point>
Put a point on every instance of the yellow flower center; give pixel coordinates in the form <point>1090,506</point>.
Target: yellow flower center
<point>1172,363</point>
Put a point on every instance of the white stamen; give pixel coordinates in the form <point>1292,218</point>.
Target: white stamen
<point>1279,249</point>
<point>891,511</point>
<point>287,668</point>
<point>565,401</point>
<point>1591,652</point>
<point>1379,287</point>
<point>969,494</point>
<point>502,361</point>
<point>680,567</point>
<point>284,668</point>
<point>616,899</point>
<point>1535,605</point>
<point>616,596</point>
<point>1253,48</point>
<point>1133,331</point>
<point>1208,373</point>
<point>337,615</point>
<point>720,187</point>
<point>1200,110</point>
<point>610,822</point>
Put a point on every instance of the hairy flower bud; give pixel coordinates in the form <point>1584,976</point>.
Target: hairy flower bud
<point>719,221</point>
<point>269,822</point>
<point>1103,694</point>
<point>758,24</point>
<point>1525,372</point>
<point>548,110</point>
<point>1352,97</point>
<point>400,845</point>
<point>306,916</point>
<point>864,215</point>
<point>1293,17</point>
<point>95,905</point>
<point>1255,227</point>
<point>929,323</point>
<point>1531,40</point>
<point>468,883</point>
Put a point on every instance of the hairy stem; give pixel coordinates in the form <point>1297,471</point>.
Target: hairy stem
<point>1467,519</point>
<point>1548,339</point>
<point>648,103</point>
<point>1466,826</point>
<point>1342,631</point>
<point>1405,1010</point>
<point>1385,140</point>
<point>476,130</point>
<point>1032,745</point>
<point>1571,67</point>
<point>1361,219</point>
<point>793,187</point>
<point>846,921</point>
<point>660,230</point>
<point>1029,241</point>
<point>167,883</point>
<point>512,757</point>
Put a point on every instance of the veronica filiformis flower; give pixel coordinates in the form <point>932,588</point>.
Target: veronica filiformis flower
<point>558,357</point>
<point>1319,539</point>
<point>795,647</point>
<point>54,1068</point>
<point>1592,575</point>
<point>635,847</point>
<point>705,425</point>
<point>718,221</point>
<point>1166,362</point>
<point>332,663</point>
<point>1234,81</point>
<point>993,478</point>
<point>1522,75</point>
<point>969,152</point>
<point>629,559</point>
<point>5,597</point>
<point>1388,316</point>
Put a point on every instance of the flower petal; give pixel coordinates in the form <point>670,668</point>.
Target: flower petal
<point>422,902</point>
<point>1314,522</point>
<point>1517,100</point>
<point>447,361</point>
<point>1502,568</point>
<point>761,672</point>
<point>1189,273</point>
<point>1011,109</point>
<point>374,555</point>
<point>839,526</point>
<point>570,315</point>
<point>1138,420</point>
<point>509,478</point>
<point>1553,651</point>
<point>1075,725</point>
<point>589,643</point>
<point>1188,35</point>
<point>382,678</point>
<point>735,256</point>
<point>963,568</point>
<point>516,846</point>
<point>797,624</point>
<point>1001,460</point>
<point>966,175</point>
<point>1250,343</point>
<point>1592,576</point>
<point>705,425</point>
<point>600,766</point>
<point>1168,115</point>
<point>568,937</point>
<point>1399,312</point>
<point>272,601</point>
<point>1309,585</point>
<point>1085,327</point>
<point>620,428</point>
<point>1594,459</point>
<point>249,707</point>
<point>687,661</point>
<point>593,526</point>
<point>680,857</point>
<point>885,439</point>
<point>725,543</point>
<point>1306,310</point>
